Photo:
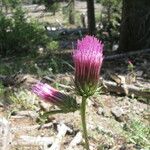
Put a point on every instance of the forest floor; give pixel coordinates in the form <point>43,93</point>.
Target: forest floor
<point>115,121</point>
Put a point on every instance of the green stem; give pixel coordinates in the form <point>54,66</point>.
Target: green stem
<point>46,114</point>
<point>83,118</point>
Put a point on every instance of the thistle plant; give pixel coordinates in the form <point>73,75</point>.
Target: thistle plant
<point>131,76</point>
<point>130,66</point>
<point>88,58</point>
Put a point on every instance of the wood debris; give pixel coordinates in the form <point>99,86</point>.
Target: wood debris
<point>62,130</point>
<point>25,140</point>
<point>5,137</point>
<point>137,91</point>
<point>76,140</point>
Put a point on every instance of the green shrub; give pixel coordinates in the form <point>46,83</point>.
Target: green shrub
<point>23,99</point>
<point>1,89</point>
<point>138,133</point>
<point>110,21</point>
<point>53,46</point>
<point>19,36</point>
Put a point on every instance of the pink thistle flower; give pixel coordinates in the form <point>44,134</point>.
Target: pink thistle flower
<point>88,58</point>
<point>130,65</point>
<point>129,62</point>
<point>49,94</point>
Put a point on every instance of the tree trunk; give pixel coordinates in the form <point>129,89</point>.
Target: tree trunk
<point>91,17</point>
<point>72,12</point>
<point>135,26</point>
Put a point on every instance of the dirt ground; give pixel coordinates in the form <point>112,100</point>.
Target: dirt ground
<point>107,114</point>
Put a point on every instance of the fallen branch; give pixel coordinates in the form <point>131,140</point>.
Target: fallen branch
<point>62,130</point>
<point>26,113</point>
<point>30,128</point>
<point>34,141</point>
<point>137,91</point>
<point>17,79</point>
<point>76,140</point>
<point>5,135</point>
<point>126,54</point>
<point>64,31</point>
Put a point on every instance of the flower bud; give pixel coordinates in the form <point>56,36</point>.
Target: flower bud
<point>88,58</point>
<point>49,94</point>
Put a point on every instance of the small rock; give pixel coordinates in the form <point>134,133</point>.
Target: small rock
<point>115,47</point>
<point>118,113</point>
<point>1,104</point>
<point>100,111</point>
<point>139,73</point>
<point>107,146</point>
<point>104,112</point>
<point>104,130</point>
<point>137,146</point>
<point>76,140</point>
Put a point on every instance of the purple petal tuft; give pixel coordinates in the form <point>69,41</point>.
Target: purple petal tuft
<point>88,58</point>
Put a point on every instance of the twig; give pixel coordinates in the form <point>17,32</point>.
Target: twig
<point>137,91</point>
<point>30,128</point>
<point>21,114</point>
<point>62,130</point>
<point>126,54</point>
<point>37,141</point>
<point>76,140</point>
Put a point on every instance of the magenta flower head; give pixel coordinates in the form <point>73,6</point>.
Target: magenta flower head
<point>49,94</point>
<point>88,58</point>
